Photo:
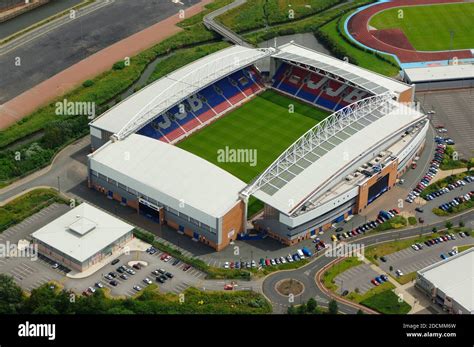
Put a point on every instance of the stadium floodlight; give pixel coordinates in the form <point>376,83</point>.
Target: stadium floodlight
<point>318,134</point>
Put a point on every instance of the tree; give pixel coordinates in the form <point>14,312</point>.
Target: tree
<point>391,268</point>
<point>291,310</point>
<point>11,296</point>
<point>302,309</point>
<point>461,224</point>
<point>448,225</point>
<point>46,309</point>
<point>332,307</point>
<point>311,305</point>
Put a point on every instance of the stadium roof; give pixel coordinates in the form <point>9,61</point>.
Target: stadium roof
<point>318,157</point>
<point>440,73</point>
<point>368,80</point>
<point>141,107</point>
<point>455,277</point>
<point>168,174</point>
<point>82,232</point>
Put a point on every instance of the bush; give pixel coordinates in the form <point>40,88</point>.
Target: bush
<point>412,220</point>
<point>88,83</point>
<point>120,65</point>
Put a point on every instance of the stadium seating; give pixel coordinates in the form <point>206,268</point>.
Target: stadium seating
<point>208,103</point>
<point>316,89</point>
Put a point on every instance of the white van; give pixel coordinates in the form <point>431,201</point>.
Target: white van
<point>300,253</point>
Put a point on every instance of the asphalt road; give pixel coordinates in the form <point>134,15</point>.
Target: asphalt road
<point>307,274</point>
<point>67,44</point>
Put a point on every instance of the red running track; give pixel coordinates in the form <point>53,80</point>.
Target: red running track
<point>358,27</point>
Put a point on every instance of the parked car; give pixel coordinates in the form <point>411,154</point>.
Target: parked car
<point>113,283</point>
<point>137,288</point>
<point>146,280</point>
<point>115,261</point>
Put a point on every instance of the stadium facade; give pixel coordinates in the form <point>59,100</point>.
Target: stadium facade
<point>334,170</point>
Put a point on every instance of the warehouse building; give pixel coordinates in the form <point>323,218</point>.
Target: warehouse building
<point>450,283</point>
<point>82,237</point>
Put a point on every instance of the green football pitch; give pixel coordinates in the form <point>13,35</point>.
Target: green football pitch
<point>264,125</point>
<point>432,27</point>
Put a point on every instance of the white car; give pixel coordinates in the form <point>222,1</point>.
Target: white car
<point>137,288</point>
<point>290,258</point>
<point>226,265</point>
<point>399,273</point>
<point>147,280</point>
<point>415,247</point>
<point>91,289</point>
<point>283,260</point>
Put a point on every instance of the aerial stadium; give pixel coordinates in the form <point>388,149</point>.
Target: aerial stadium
<point>329,137</point>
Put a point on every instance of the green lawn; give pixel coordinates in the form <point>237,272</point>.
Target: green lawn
<point>428,27</point>
<point>387,302</point>
<point>263,124</point>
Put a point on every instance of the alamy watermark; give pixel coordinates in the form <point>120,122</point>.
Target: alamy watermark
<point>13,250</point>
<point>237,155</point>
<point>345,250</point>
<point>75,108</point>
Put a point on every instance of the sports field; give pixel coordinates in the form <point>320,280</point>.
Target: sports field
<point>428,28</point>
<point>263,125</point>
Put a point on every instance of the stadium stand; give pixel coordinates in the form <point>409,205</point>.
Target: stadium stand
<point>316,89</point>
<point>212,101</point>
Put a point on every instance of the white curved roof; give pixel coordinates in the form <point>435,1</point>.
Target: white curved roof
<point>169,174</point>
<point>141,107</point>
<point>366,79</point>
<point>332,145</point>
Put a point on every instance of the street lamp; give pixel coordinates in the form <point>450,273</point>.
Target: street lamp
<point>59,186</point>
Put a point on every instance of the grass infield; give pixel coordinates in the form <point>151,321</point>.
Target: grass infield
<point>428,28</point>
<point>263,124</point>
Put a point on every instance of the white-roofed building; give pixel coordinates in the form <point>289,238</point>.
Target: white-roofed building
<point>450,283</point>
<point>82,237</point>
<point>305,190</point>
<point>177,187</point>
<point>339,167</point>
<point>440,77</point>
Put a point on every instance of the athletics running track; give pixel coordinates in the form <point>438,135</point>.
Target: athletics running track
<point>394,41</point>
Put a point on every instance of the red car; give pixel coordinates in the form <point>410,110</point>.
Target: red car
<point>374,282</point>
<point>396,210</point>
<point>228,287</point>
<point>186,267</point>
<point>268,262</point>
<point>163,256</point>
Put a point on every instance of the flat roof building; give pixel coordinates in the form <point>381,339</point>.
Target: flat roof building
<point>82,237</point>
<point>450,283</point>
